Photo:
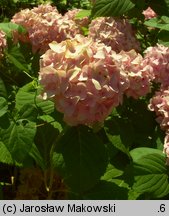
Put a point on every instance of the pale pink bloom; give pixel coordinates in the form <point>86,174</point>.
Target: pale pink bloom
<point>131,64</point>
<point>3,42</point>
<point>114,32</point>
<point>149,13</point>
<point>44,24</point>
<point>86,83</point>
<point>160,104</point>
<point>157,58</point>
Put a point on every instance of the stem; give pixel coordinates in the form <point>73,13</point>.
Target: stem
<point>51,175</point>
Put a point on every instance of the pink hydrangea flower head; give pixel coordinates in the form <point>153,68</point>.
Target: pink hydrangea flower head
<point>158,60</point>
<point>114,32</point>
<point>160,104</point>
<point>149,13</point>
<point>131,64</point>
<point>44,24</point>
<point>82,78</point>
<point>81,22</point>
<point>3,43</point>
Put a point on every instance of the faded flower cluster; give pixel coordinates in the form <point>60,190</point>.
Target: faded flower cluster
<point>83,79</point>
<point>114,32</point>
<point>44,24</point>
<point>2,43</point>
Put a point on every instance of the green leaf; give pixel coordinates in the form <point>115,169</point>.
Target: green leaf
<point>3,106</point>
<point>111,8</point>
<point>163,38</point>
<point>83,13</point>
<point>58,163</point>
<point>45,138</point>
<point>85,158</point>
<point>28,94</point>
<point>120,133</point>
<point>159,22</point>
<point>150,172</point>
<point>3,91</point>
<point>5,155</point>
<point>49,119</point>
<point>19,138</point>
<point>17,58</point>
<point>4,121</point>
<point>28,111</point>
<point>116,142</point>
<point>9,27</point>
<point>107,191</point>
<point>141,124</point>
<point>36,155</point>
<point>138,153</point>
<point>111,172</point>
